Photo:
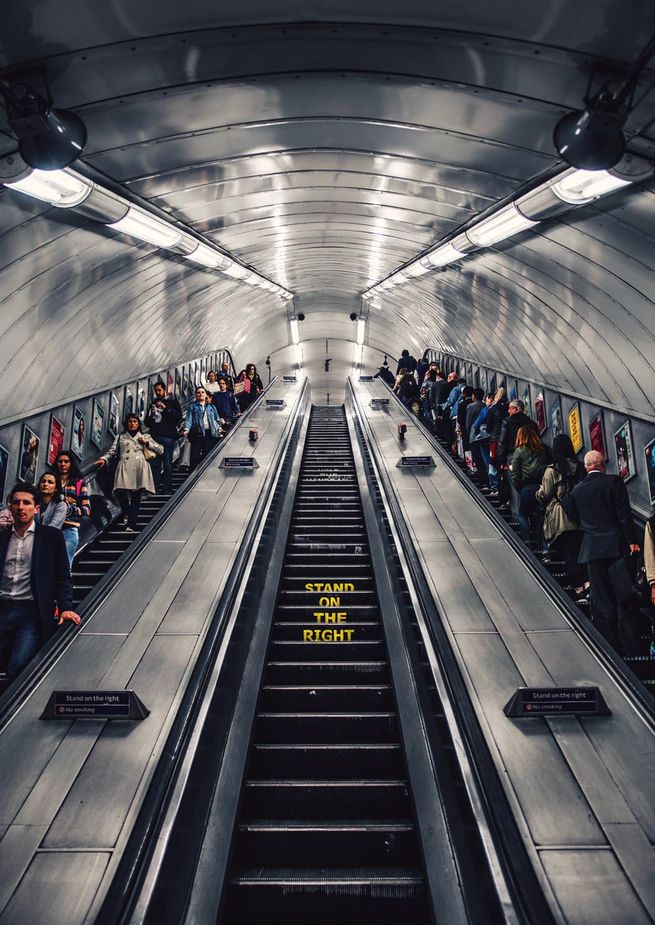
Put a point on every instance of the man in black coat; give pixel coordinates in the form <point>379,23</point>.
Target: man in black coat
<point>163,418</point>
<point>601,506</point>
<point>34,579</point>
<point>406,362</point>
<point>516,418</point>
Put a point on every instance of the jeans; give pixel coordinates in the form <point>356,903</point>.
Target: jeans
<point>130,501</point>
<point>528,508</point>
<point>162,466</point>
<point>72,541</point>
<point>20,635</point>
<point>201,446</point>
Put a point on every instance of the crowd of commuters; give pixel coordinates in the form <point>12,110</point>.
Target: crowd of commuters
<point>39,528</point>
<point>567,509</point>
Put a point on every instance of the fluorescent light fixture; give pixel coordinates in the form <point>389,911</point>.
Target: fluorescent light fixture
<point>207,257</point>
<point>413,270</point>
<point>503,224</point>
<point>146,227</point>
<point>62,188</point>
<point>293,324</point>
<point>236,271</point>
<point>361,330</point>
<point>297,353</point>
<point>442,256</point>
<point>584,185</point>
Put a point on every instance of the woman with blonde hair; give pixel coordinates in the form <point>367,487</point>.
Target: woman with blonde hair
<point>527,468</point>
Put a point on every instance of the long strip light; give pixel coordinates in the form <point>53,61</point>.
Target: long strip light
<point>361,330</point>
<point>568,190</point>
<point>295,338</point>
<point>67,189</point>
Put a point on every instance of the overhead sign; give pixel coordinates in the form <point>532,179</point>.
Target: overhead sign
<point>557,701</point>
<point>289,378</point>
<point>275,403</point>
<point>239,462</point>
<point>94,705</point>
<point>379,402</point>
<point>366,378</point>
<point>414,462</point>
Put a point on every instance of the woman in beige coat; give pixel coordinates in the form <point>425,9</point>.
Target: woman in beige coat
<point>133,472</point>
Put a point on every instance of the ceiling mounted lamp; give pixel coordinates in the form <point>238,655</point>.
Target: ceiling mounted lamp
<point>592,138</point>
<point>48,138</point>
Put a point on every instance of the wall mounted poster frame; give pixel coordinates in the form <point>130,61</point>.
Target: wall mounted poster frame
<point>597,434</point>
<point>178,382</point>
<point>575,427</point>
<point>525,398</point>
<point>170,380</point>
<point>556,425</point>
<point>29,455</point>
<point>78,432</point>
<point>97,423</point>
<point>141,395</point>
<point>129,400</point>
<point>4,466</point>
<point>512,391</point>
<point>649,456</point>
<point>540,413</point>
<point>55,439</point>
<point>114,421</point>
<point>625,455</point>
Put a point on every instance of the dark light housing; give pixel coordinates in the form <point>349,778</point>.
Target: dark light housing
<point>592,138</point>
<point>49,140</point>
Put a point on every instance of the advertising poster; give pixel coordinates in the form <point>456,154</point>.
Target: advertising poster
<point>597,434</point>
<point>97,423</point>
<point>540,412</point>
<point>625,457</point>
<point>129,400</point>
<point>113,424</point>
<point>4,465</point>
<point>492,383</point>
<point>197,378</point>
<point>169,382</point>
<point>556,426</point>
<point>55,440</point>
<point>178,382</point>
<point>575,427</point>
<point>525,398</point>
<point>141,399</point>
<point>29,454</point>
<point>513,392</point>
<point>185,381</point>
<point>77,432</point>
<point>649,456</point>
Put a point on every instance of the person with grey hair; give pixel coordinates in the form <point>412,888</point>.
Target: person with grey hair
<point>516,418</point>
<point>600,504</point>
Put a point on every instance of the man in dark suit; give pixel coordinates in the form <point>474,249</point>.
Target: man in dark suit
<point>34,579</point>
<point>601,506</point>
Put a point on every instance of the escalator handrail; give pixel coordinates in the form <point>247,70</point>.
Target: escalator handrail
<point>511,865</point>
<point>640,697</point>
<point>21,688</point>
<point>123,889</point>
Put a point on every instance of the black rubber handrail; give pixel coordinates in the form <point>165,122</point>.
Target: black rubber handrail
<point>610,660</point>
<point>118,903</point>
<point>21,688</point>
<point>521,878</point>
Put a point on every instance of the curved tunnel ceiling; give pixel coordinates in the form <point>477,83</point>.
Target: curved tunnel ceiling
<point>325,154</point>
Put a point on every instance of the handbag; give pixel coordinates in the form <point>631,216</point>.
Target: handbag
<point>148,453</point>
<point>481,438</point>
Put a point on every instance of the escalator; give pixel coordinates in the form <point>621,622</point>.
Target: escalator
<point>326,826</point>
<point>95,560</point>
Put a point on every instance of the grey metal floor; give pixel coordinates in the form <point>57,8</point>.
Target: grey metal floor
<point>70,791</point>
<point>583,789</point>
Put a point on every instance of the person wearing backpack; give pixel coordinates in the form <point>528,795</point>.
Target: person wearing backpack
<point>562,533</point>
<point>76,496</point>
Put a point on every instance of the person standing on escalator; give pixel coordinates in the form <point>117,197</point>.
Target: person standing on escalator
<point>133,450</point>
<point>202,426</point>
<point>76,496</point>
<point>163,419</point>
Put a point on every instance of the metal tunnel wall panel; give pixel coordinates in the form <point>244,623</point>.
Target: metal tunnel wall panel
<point>325,154</point>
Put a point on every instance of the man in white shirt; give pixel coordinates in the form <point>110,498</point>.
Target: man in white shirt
<point>34,579</point>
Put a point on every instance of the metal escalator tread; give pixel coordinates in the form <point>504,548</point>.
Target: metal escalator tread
<point>325,829</point>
